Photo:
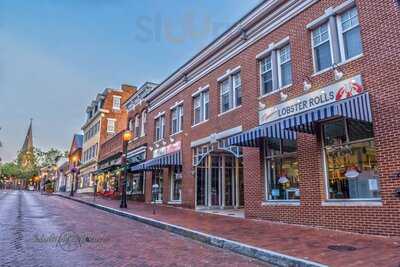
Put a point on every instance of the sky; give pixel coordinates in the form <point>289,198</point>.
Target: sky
<point>55,56</point>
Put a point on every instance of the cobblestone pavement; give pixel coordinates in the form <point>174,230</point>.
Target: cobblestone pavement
<point>41,230</point>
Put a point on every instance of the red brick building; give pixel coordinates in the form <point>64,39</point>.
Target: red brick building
<point>106,116</point>
<point>291,115</point>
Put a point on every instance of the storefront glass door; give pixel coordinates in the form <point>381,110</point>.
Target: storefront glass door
<point>219,181</point>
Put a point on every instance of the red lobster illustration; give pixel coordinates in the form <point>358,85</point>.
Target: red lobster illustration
<point>349,90</point>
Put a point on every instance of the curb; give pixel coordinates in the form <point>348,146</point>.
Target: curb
<point>264,255</point>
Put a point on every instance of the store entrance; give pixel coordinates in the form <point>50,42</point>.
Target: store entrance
<point>219,180</point>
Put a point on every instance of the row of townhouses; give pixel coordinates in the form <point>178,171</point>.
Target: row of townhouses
<point>290,115</point>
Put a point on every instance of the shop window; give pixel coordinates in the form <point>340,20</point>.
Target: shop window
<point>159,127</point>
<point>282,175</point>
<point>176,119</point>
<point>176,183</point>
<point>158,179</point>
<point>322,47</point>
<point>200,107</point>
<point>231,92</point>
<point>350,157</point>
<point>135,184</point>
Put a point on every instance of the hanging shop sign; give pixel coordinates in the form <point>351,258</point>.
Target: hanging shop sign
<point>174,147</point>
<point>326,95</point>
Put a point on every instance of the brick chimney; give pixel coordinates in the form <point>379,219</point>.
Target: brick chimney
<point>128,89</point>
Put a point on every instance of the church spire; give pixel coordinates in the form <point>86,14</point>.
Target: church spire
<point>28,143</point>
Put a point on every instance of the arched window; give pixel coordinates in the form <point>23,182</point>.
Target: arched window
<point>143,131</point>
<point>137,125</point>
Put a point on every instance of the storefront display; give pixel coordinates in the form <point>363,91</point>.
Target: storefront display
<point>158,179</point>
<point>282,175</point>
<point>176,183</point>
<point>350,160</point>
<point>135,184</point>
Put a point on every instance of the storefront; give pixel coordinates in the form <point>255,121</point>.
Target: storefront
<point>108,175</point>
<point>166,164</point>
<point>338,115</point>
<point>136,179</point>
<point>219,176</point>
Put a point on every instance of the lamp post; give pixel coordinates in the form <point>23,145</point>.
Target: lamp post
<point>126,137</point>
<point>74,170</point>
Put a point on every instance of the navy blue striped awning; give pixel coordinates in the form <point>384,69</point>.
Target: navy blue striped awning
<point>357,108</point>
<point>254,137</point>
<point>172,159</point>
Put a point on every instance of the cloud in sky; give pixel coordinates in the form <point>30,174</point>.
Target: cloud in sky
<point>55,56</point>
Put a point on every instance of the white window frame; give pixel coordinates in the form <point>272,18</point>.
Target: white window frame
<point>280,63</point>
<point>172,177</point>
<point>325,162</point>
<point>262,73</point>
<point>144,118</point>
<point>204,116</point>
<point>160,128</point>
<point>342,45</point>
<point>116,102</point>
<point>313,46</point>
<point>111,124</point>
<point>231,92</point>
<point>178,112</point>
<point>266,175</point>
<point>136,128</point>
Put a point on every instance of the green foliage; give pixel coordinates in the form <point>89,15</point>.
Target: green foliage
<point>29,163</point>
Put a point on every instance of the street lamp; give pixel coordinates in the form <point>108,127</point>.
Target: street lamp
<point>74,170</point>
<point>126,137</point>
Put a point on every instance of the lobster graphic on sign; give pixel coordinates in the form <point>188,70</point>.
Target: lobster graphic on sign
<point>349,90</point>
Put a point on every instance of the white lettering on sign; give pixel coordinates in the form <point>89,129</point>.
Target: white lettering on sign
<point>326,95</point>
<point>171,148</point>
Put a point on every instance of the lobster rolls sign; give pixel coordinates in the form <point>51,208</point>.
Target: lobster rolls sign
<point>329,94</point>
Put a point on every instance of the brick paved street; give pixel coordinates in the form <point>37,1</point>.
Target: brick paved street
<point>41,230</point>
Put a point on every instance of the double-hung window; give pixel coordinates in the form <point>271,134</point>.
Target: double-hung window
<point>231,92</point>
<point>336,38</point>
<point>116,102</point>
<point>282,174</point>
<point>350,160</point>
<point>137,126</point>
<point>285,66</point>
<point>350,34</point>
<point>110,125</point>
<point>176,119</point>
<point>322,47</point>
<point>159,127</point>
<point>143,126</point>
<point>201,107</point>
<point>276,68</point>
<point>266,75</point>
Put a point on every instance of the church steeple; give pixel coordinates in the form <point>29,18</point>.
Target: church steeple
<point>28,143</point>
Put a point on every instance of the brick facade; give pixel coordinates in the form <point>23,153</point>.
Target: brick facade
<point>379,68</point>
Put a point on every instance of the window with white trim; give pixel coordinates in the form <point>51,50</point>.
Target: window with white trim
<point>285,66</point>
<point>176,119</point>
<point>336,40</point>
<point>322,47</point>
<point>201,107</point>
<point>143,126</point>
<point>350,160</point>
<point>231,92</point>
<point>131,125</point>
<point>282,174</point>
<point>137,126</point>
<point>350,34</point>
<point>159,128</point>
<point>110,125</point>
<point>276,69</point>
<point>266,75</point>
<point>116,102</point>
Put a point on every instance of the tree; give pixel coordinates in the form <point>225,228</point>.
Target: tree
<point>48,158</point>
<point>9,170</point>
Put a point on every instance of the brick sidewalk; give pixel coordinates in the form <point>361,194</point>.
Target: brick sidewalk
<point>298,241</point>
